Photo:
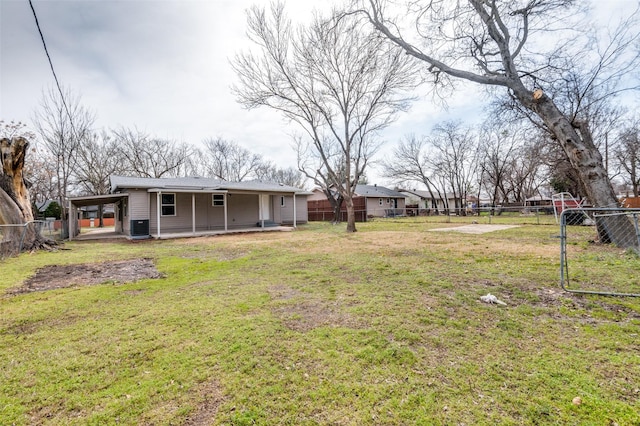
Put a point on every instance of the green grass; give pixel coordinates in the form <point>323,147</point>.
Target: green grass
<point>317,326</point>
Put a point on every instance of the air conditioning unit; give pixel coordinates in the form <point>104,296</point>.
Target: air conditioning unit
<point>139,228</point>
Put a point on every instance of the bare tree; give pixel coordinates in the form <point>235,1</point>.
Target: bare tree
<point>226,160</point>
<point>499,44</point>
<point>338,81</point>
<point>40,173</point>
<point>511,163</point>
<point>410,163</point>
<point>287,176</point>
<point>98,158</point>
<point>529,172</point>
<point>64,125</point>
<point>455,160</point>
<point>627,153</point>
<point>148,156</point>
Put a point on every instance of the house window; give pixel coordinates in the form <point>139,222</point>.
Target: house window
<point>388,200</point>
<point>218,200</point>
<point>125,208</point>
<point>282,201</point>
<point>168,204</point>
<point>380,201</point>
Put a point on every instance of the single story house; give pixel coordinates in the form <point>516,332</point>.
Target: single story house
<point>426,204</point>
<point>368,201</point>
<point>381,201</point>
<point>163,207</point>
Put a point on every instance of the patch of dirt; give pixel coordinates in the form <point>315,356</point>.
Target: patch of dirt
<point>62,276</point>
<point>206,412</point>
<point>309,313</point>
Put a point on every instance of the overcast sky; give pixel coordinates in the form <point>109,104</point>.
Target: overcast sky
<point>163,66</point>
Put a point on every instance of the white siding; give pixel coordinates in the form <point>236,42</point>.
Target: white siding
<point>243,210</point>
<point>138,204</point>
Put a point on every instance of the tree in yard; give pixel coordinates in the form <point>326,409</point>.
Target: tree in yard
<point>15,203</point>
<point>64,125</point>
<point>627,153</point>
<point>226,160</point>
<point>98,158</point>
<point>147,156</point>
<point>410,163</point>
<point>287,176</point>
<point>53,210</point>
<point>502,44</point>
<point>40,172</point>
<point>341,83</point>
<point>455,160</point>
<point>511,162</point>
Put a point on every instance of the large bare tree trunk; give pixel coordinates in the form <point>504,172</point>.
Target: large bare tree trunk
<point>577,143</point>
<point>15,203</point>
<point>585,158</point>
<point>351,214</point>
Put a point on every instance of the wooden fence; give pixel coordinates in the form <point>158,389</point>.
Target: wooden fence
<point>321,210</point>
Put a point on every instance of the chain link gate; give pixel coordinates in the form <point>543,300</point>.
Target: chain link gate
<point>602,246</point>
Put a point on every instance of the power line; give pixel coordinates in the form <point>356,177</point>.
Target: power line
<point>55,77</point>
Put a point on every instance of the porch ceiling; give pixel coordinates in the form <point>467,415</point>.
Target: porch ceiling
<point>94,200</point>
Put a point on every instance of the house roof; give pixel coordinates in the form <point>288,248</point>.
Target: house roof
<point>198,183</point>
<point>44,205</point>
<point>94,200</point>
<point>425,194</point>
<point>377,191</point>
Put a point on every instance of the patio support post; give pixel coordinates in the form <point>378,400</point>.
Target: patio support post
<point>226,199</point>
<point>295,214</point>
<point>260,211</point>
<point>193,213</point>
<point>69,221</point>
<point>158,198</point>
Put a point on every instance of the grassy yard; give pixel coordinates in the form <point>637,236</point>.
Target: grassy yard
<point>316,326</point>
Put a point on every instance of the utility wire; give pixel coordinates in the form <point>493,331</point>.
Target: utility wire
<point>55,77</point>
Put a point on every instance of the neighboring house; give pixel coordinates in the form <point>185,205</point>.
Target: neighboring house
<point>93,212</point>
<point>43,206</point>
<point>148,207</point>
<point>381,201</point>
<point>368,201</point>
<point>426,204</point>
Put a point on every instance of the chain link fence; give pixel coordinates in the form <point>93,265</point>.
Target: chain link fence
<point>12,237</point>
<point>600,251</point>
<point>538,215</point>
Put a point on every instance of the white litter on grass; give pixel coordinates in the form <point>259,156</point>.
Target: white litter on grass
<point>490,298</point>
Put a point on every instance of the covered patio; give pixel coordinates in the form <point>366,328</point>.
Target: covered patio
<point>109,233</point>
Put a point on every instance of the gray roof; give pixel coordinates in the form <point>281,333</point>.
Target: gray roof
<point>426,194</point>
<point>198,183</point>
<point>377,191</point>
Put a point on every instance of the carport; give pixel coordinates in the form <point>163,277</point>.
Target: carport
<point>90,200</point>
